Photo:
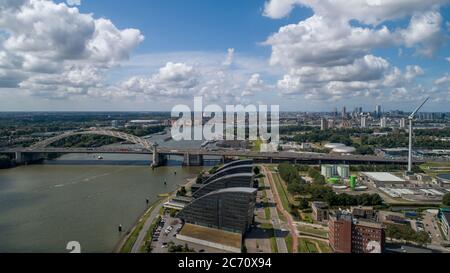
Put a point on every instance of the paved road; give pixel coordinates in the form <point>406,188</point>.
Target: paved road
<point>287,215</point>
<point>281,243</point>
<point>431,226</point>
<point>141,237</point>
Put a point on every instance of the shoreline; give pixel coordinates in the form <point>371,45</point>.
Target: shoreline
<point>142,218</point>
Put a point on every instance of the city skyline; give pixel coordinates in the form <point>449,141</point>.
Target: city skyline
<point>108,56</point>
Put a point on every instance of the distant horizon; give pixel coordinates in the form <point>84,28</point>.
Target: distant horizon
<point>299,54</point>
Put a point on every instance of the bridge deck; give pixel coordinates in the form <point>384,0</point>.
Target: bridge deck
<point>221,153</point>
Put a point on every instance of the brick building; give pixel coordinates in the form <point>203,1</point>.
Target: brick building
<point>348,234</point>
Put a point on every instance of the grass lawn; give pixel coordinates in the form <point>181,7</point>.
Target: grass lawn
<point>307,246</point>
<point>324,247</point>
<point>313,231</point>
<point>289,243</point>
<point>306,217</point>
<point>282,193</point>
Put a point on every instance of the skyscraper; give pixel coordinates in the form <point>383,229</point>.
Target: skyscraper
<point>378,111</point>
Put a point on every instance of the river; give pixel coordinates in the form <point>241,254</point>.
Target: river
<point>79,198</point>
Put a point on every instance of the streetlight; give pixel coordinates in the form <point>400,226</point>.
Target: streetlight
<point>411,118</point>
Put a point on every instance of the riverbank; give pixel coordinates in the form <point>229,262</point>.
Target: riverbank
<point>126,244</point>
<point>135,238</point>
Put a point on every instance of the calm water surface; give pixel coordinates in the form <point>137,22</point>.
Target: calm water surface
<point>42,207</point>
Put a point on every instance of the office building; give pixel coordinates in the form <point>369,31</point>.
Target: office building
<point>348,234</point>
<point>239,180</point>
<point>230,209</point>
<point>227,171</point>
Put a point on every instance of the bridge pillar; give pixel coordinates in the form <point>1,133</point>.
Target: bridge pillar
<point>19,157</point>
<point>158,159</point>
<point>192,160</point>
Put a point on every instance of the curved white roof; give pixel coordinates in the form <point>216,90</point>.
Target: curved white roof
<point>334,145</point>
<point>344,150</point>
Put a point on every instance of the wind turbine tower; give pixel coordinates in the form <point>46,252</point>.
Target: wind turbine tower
<point>411,118</point>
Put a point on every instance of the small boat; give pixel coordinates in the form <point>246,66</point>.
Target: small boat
<point>99,157</point>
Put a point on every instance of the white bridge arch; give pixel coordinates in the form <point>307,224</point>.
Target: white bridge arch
<point>127,137</point>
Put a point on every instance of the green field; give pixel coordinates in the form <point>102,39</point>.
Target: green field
<point>307,246</point>
<point>313,232</point>
<point>310,246</point>
<point>289,243</point>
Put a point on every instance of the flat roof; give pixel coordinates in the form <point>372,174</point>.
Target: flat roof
<point>212,235</point>
<point>371,224</point>
<point>383,176</point>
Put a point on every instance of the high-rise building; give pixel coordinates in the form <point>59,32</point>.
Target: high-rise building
<point>344,112</point>
<point>402,123</point>
<point>115,124</point>
<point>348,234</point>
<point>383,122</point>
<point>363,122</point>
<point>230,209</point>
<point>378,111</point>
<point>323,124</point>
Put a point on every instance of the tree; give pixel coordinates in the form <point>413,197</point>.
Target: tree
<point>5,162</point>
<point>182,192</point>
<point>256,170</point>
<point>199,179</point>
<point>304,204</point>
<point>446,200</point>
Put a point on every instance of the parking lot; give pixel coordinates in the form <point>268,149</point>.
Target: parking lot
<point>166,235</point>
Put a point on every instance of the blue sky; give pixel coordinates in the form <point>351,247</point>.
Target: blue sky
<point>304,55</point>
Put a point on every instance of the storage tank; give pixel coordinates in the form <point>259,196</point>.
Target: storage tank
<point>328,170</point>
<point>353,182</point>
<point>343,171</point>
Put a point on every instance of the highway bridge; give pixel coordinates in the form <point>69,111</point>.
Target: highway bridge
<point>192,157</point>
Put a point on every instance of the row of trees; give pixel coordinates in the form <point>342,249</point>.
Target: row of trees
<point>319,191</point>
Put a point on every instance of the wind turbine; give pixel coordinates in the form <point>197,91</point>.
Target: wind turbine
<point>411,118</point>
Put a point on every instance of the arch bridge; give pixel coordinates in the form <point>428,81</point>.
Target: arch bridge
<point>146,144</point>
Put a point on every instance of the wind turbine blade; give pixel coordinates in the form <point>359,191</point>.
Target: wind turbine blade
<point>418,109</point>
